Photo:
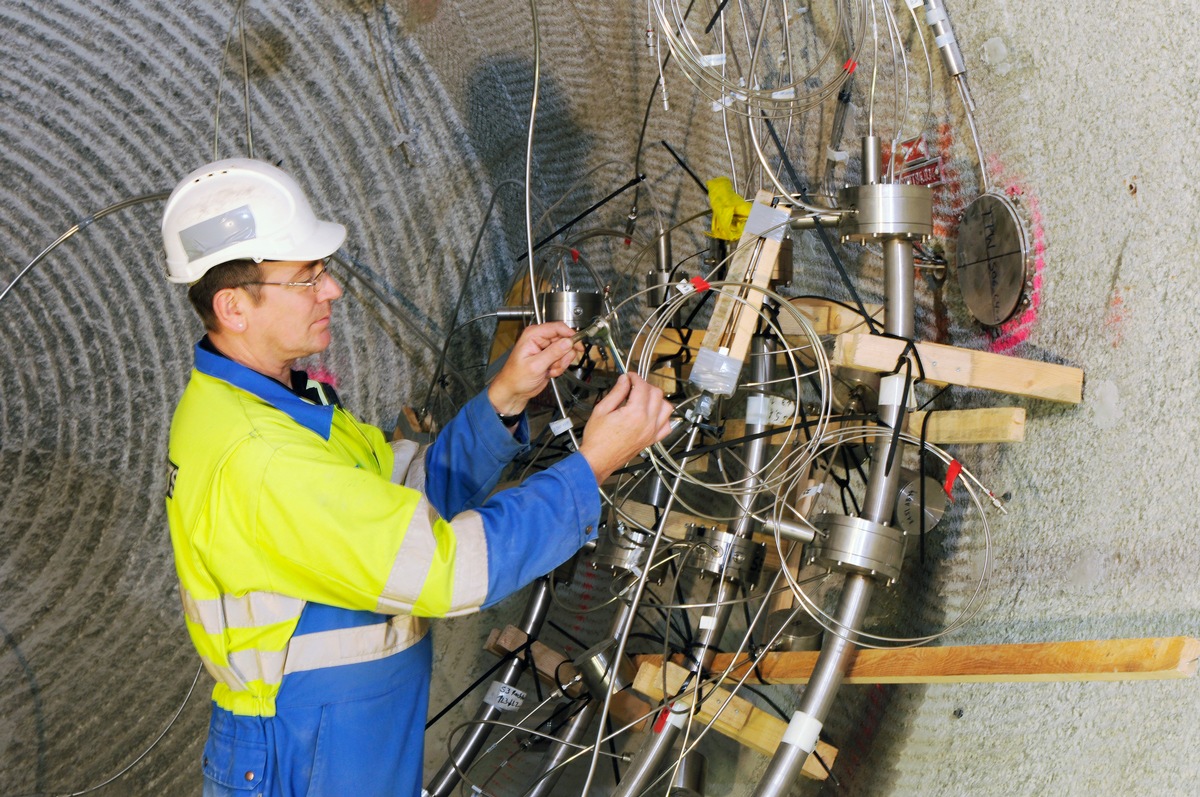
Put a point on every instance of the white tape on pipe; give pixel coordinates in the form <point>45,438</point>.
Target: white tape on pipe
<point>891,390</point>
<point>758,409</point>
<point>803,731</point>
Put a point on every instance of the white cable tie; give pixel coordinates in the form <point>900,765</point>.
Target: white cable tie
<point>803,732</point>
<point>716,59</point>
<point>784,94</point>
<point>935,15</point>
<point>891,390</point>
<point>943,40</point>
<point>685,287</point>
<point>561,425</point>
<point>721,104</point>
<point>837,155</point>
<point>915,3</point>
<point>677,713</point>
<point>813,490</point>
<point>707,621</point>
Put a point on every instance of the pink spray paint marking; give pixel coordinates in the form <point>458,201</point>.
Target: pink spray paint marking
<point>951,200</point>
<point>1016,330</point>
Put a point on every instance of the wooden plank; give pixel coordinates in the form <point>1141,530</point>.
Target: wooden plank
<point>949,365</point>
<point>732,323</point>
<point>733,717</point>
<point>983,425</point>
<point>740,720</point>
<point>548,662</point>
<point>1159,658</point>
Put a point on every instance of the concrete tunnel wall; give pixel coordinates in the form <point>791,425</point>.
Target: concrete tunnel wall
<point>402,119</point>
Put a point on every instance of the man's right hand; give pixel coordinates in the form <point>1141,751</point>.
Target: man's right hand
<point>633,416</point>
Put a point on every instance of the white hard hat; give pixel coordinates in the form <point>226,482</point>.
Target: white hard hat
<point>241,209</point>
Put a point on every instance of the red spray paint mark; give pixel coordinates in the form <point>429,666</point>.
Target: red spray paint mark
<point>1114,319</point>
<point>1016,330</point>
<point>949,202</point>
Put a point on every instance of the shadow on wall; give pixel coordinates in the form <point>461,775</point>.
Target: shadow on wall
<point>497,122</point>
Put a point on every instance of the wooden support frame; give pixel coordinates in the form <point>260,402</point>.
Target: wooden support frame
<point>740,720</point>
<point>980,425</point>
<point>1155,658</point>
<point>950,365</point>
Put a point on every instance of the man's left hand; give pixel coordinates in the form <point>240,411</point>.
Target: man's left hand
<point>542,352</point>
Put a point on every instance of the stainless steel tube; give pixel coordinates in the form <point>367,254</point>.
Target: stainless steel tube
<point>472,741</point>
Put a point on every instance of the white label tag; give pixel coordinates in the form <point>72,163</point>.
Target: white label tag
<point>707,621</point>
<point>767,222</point>
<point>504,697</point>
<point>561,425</point>
<point>816,488</point>
<point>716,59</point>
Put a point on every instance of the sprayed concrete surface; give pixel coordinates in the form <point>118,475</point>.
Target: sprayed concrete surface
<point>403,119</point>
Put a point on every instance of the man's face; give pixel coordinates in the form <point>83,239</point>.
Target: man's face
<point>291,321</point>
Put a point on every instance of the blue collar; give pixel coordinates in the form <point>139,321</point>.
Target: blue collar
<point>316,417</point>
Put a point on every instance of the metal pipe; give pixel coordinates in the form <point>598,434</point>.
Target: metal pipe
<point>871,162</point>
<point>472,741</point>
<point>565,745</point>
<point>800,739</point>
<point>883,483</point>
<point>754,451</point>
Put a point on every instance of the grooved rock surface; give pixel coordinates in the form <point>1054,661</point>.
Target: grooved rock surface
<point>402,118</point>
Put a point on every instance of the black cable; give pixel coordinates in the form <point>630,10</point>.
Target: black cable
<point>724,444</point>
<point>716,15</point>
<point>563,228</point>
<point>576,641</point>
<point>686,168</point>
<point>462,695</point>
<point>612,748</point>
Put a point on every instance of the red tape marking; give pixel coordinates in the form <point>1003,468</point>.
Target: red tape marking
<point>661,722</point>
<point>700,283</point>
<point>951,477</point>
<point>850,65</point>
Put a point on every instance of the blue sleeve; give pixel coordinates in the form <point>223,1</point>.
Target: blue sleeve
<point>464,463</point>
<point>539,524</point>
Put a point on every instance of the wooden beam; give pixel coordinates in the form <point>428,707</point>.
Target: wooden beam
<point>1157,658</point>
<point>983,425</point>
<point>949,365</point>
<point>732,323</point>
<point>625,706</point>
<point>740,720</point>
<point>548,663</point>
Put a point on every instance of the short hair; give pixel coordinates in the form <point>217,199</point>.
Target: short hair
<point>234,274</point>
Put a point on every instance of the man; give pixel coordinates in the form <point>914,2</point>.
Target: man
<point>309,550</point>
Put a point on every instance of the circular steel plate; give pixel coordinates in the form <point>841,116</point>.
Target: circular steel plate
<point>992,258</point>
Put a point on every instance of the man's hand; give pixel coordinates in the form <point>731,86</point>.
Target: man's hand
<point>631,417</point>
<point>543,351</point>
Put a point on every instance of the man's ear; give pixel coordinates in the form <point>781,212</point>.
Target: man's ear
<point>227,307</point>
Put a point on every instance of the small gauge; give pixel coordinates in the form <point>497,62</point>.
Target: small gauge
<point>993,259</point>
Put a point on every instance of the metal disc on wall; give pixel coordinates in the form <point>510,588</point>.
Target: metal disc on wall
<point>993,259</point>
